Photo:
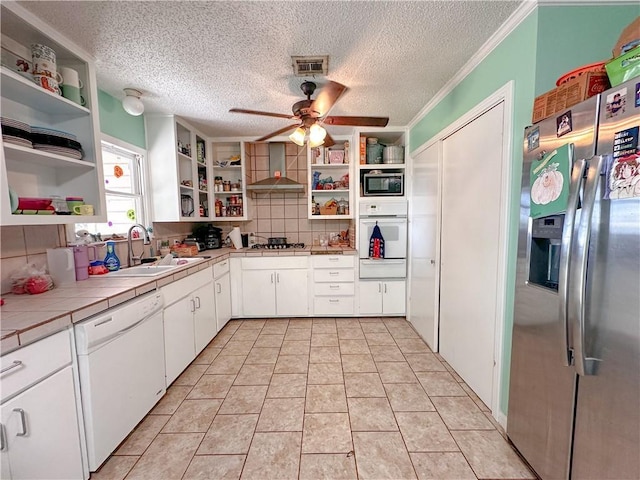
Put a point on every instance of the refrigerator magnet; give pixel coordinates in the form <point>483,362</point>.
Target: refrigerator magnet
<point>616,103</point>
<point>563,124</point>
<point>550,183</point>
<point>533,139</point>
<point>637,95</point>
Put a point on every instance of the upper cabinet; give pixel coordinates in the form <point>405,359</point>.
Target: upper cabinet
<point>180,170</point>
<point>50,146</point>
<point>330,181</point>
<point>381,162</point>
<point>229,180</point>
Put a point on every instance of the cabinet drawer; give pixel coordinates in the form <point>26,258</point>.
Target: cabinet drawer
<point>39,360</point>
<point>274,263</point>
<point>333,261</point>
<point>220,268</point>
<point>333,305</point>
<point>334,289</point>
<point>185,286</point>
<point>333,275</point>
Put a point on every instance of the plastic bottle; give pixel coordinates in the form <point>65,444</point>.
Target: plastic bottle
<point>111,260</point>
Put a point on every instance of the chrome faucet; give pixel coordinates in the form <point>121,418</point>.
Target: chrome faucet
<point>131,258</point>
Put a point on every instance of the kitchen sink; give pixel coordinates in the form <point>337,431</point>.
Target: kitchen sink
<point>143,271</point>
<point>152,270</point>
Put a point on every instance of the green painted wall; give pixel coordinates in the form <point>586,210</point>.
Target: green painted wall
<point>549,42</point>
<point>569,37</point>
<point>116,122</point>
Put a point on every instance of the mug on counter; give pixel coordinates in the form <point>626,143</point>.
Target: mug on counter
<point>83,209</point>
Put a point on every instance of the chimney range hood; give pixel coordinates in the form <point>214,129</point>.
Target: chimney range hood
<point>277,163</point>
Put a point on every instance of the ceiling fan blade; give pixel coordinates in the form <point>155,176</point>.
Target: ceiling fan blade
<point>265,114</point>
<point>329,95</point>
<point>328,141</point>
<point>357,121</point>
<point>278,132</point>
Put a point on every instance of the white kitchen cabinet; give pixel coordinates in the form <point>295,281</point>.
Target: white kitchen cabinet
<point>39,417</point>
<point>222,285</point>
<point>189,320</point>
<point>30,172</point>
<point>181,181</point>
<point>382,297</point>
<point>231,192</point>
<point>41,431</point>
<point>275,286</point>
<point>333,285</point>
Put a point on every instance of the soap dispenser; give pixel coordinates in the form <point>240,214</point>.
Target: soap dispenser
<point>111,260</point>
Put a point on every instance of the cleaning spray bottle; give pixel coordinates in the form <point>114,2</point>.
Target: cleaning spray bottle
<point>111,260</point>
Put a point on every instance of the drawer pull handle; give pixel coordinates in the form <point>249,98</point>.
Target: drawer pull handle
<point>334,287</point>
<point>334,301</point>
<point>3,438</point>
<point>333,274</point>
<point>197,302</point>
<point>14,364</point>
<point>333,259</point>
<point>219,286</point>
<point>193,305</point>
<point>23,421</point>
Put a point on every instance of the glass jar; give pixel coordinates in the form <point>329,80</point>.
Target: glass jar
<point>226,186</point>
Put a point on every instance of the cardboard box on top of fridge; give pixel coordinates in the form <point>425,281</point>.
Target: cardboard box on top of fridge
<point>569,94</point>
<point>629,38</point>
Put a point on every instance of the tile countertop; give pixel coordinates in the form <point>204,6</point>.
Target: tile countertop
<point>27,318</point>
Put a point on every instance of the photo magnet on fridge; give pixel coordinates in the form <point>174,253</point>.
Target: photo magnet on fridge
<point>550,183</point>
<point>616,103</point>
<point>563,124</point>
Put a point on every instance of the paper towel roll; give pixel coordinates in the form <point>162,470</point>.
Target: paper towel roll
<point>236,238</point>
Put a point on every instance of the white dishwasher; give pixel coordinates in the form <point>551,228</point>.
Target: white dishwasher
<point>121,365</point>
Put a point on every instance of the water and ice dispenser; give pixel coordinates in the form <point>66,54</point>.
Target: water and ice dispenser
<point>544,257</point>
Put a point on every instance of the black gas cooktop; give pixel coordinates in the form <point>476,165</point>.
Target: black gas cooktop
<point>278,246</point>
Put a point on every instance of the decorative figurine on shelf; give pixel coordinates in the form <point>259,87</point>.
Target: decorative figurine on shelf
<point>316,181</point>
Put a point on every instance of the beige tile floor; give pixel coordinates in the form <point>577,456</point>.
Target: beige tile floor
<point>317,398</point>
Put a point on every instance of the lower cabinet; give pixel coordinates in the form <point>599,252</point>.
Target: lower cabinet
<point>222,285</point>
<point>275,286</point>
<point>333,285</point>
<point>40,428</point>
<point>382,297</point>
<point>189,320</point>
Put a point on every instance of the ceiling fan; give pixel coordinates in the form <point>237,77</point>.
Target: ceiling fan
<point>310,114</point>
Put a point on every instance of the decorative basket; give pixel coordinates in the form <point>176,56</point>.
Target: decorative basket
<point>328,210</point>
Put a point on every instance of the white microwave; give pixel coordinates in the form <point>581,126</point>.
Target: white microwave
<point>379,184</point>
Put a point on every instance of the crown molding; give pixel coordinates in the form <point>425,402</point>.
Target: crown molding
<point>517,17</point>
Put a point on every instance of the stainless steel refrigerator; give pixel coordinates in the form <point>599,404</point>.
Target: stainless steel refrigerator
<point>574,395</point>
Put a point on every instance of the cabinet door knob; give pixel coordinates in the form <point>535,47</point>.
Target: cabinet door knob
<point>193,305</point>
<point>219,287</point>
<point>197,302</point>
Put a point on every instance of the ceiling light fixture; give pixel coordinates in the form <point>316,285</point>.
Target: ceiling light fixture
<point>316,135</point>
<point>132,103</point>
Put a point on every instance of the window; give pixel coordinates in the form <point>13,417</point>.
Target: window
<point>124,189</point>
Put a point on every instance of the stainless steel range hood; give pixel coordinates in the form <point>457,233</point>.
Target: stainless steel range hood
<point>277,163</point>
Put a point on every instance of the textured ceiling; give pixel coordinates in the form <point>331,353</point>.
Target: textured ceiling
<point>199,59</point>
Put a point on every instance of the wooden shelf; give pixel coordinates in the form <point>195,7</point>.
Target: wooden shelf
<point>24,91</point>
<point>46,159</point>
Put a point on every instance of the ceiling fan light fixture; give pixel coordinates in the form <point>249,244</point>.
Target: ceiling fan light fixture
<point>297,136</point>
<point>132,103</point>
<point>316,135</point>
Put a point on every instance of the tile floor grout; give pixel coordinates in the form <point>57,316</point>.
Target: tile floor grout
<point>370,332</point>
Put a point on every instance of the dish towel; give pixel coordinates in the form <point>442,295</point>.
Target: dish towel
<point>376,243</point>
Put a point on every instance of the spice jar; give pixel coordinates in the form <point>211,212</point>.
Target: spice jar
<point>218,184</point>
<point>226,186</point>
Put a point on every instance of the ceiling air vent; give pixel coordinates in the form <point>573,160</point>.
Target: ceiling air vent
<point>305,66</point>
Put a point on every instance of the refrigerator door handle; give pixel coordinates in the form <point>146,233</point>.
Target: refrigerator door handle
<point>577,175</point>
<point>578,284</point>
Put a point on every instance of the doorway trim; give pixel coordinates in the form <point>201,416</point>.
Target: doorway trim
<point>503,95</point>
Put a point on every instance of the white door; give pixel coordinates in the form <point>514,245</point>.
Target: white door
<point>292,292</point>
<point>370,297</point>
<point>179,348</point>
<point>394,297</point>
<point>424,234</point>
<point>46,414</point>
<point>204,319</point>
<point>471,209</point>
<point>223,300</point>
<point>258,293</point>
